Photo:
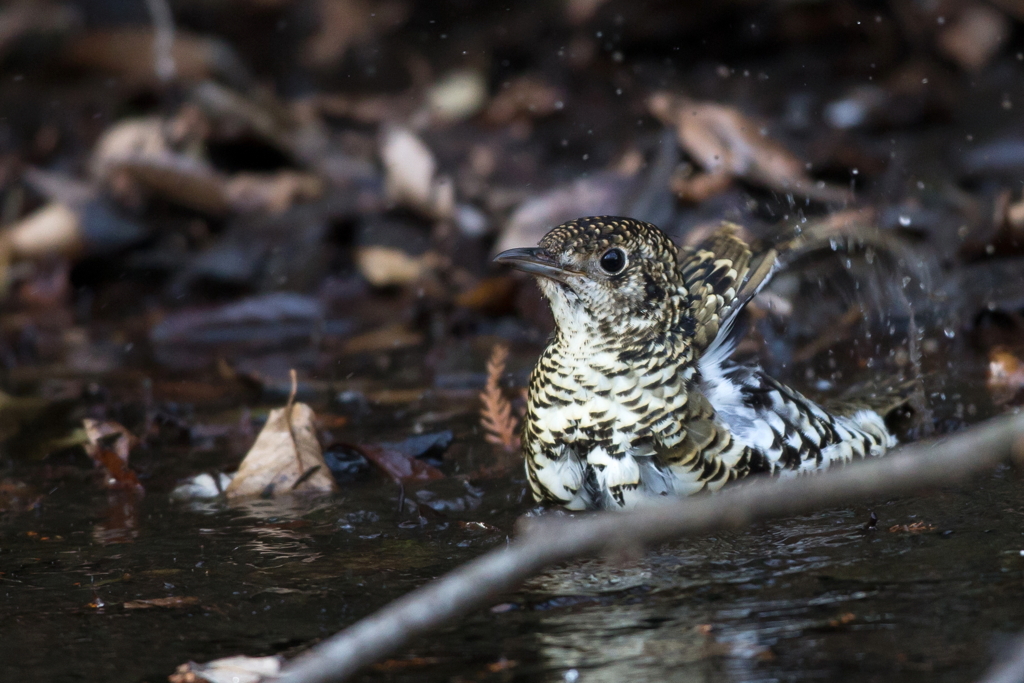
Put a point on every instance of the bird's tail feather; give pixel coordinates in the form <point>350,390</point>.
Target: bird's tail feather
<point>884,398</point>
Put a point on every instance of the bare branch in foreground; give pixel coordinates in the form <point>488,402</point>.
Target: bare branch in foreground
<point>546,542</point>
<point>1010,669</point>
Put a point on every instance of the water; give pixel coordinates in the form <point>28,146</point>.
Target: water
<point>817,597</point>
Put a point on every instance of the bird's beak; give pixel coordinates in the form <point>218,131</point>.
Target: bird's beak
<point>535,261</point>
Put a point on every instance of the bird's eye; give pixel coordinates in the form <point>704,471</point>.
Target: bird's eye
<point>613,261</point>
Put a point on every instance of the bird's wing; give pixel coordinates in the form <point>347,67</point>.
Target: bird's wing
<point>721,275</point>
<point>703,454</point>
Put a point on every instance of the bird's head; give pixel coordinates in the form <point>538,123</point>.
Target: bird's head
<point>615,276</point>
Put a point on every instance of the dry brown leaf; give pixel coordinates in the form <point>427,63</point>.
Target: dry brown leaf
<point>52,230</point>
<point>176,178</point>
<point>696,187</point>
<point>286,457</point>
<point>40,18</point>
<point>411,175</point>
<point>126,52</point>
<point>344,23</point>
<point>400,467</point>
<point>492,294</point>
<point>974,36</point>
<point>1005,375</point>
<point>162,602</point>
<point>599,194</point>
<point>386,338</point>
<point>526,96</point>
<point>500,426</point>
<point>581,11</point>
<point>17,496</point>
<point>725,142</point>
<point>109,447</point>
<point>387,266</point>
<point>458,95</point>
<point>136,153</point>
<point>367,108</point>
<point>238,669</point>
<point>274,193</point>
<point>843,619</point>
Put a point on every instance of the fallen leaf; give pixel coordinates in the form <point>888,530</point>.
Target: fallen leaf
<point>286,457</point>
<point>48,286</point>
<point>386,338</point>
<point>411,175</point>
<point>975,35</point>
<point>344,23</point>
<point>1005,375</point>
<point>238,669</point>
<point>109,446</point>
<point>397,465</point>
<point>526,96</point>
<point>161,602</point>
<point>727,143</point>
<point>126,52</point>
<point>492,295</point>
<point>17,496</point>
<point>252,192</point>
<point>136,154</point>
<point>388,266</point>
<point>457,95</point>
<point>842,619</point>
<point>55,229</point>
<point>599,194</point>
<point>430,446</point>
<point>39,19</point>
<point>176,178</point>
<point>144,154</point>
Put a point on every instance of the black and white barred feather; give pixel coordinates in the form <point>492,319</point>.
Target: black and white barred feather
<point>635,395</point>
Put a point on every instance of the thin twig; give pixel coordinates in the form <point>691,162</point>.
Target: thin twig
<point>547,541</point>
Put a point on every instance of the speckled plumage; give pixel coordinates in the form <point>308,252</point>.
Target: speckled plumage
<point>635,397</point>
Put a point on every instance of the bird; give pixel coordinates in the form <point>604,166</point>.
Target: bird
<point>636,398</point>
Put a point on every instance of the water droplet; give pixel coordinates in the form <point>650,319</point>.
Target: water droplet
<point>949,332</point>
<point>905,221</point>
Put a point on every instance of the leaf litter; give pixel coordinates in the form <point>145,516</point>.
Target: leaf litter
<point>286,457</point>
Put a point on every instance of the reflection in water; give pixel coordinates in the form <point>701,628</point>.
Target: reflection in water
<point>120,518</point>
<point>734,607</point>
